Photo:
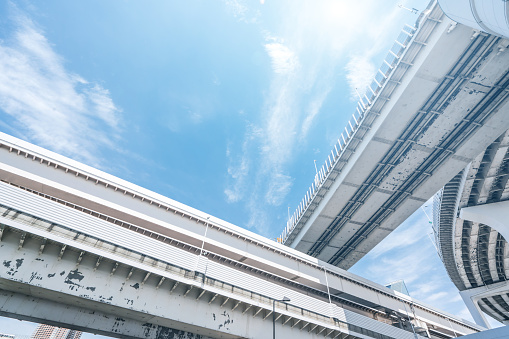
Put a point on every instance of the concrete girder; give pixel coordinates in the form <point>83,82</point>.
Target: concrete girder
<point>82,280</point>
<point>35,309</point>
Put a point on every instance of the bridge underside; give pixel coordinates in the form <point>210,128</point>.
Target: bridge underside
<point>475,254</point>
<point>447,102</point>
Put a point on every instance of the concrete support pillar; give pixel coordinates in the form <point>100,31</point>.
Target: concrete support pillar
<point>495,215</point>
<point>474,309</point>
<point>472,296</point>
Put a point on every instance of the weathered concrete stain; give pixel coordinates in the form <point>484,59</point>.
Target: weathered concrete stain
<point>19,262</point>
<point>119,322</point>
<point>13,269</point>
<point>105,300</point>
<point>170,333</point>
<point>225,318</point>
<point>136,286</point>
<point>34,276</point>
<point>72,279</point>
<point>74,275</point>
<point>147,328</point>
<point>51,275</point>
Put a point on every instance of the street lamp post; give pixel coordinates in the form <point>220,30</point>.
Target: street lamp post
<point>285,300</point>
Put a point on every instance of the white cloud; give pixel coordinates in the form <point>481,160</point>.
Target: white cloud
<point>258,218</point>
<point>283,59</point>
<point>404,238</point>
<point>238,173</point>
<point>237,7</point>
<point>279,126</point>
<point>198,108</point>
<point>239,166</point>
<point>313,110</point>
<point>53,107</point>
<point>359,74</point>
<point>241,11</point>
<point>279,187</point>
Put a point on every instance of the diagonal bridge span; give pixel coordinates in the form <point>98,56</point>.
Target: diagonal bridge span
<point>438,101</point>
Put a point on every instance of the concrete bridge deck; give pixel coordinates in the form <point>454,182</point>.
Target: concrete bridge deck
<point>439,100</point>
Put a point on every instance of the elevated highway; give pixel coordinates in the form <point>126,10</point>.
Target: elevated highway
<point>440,98</point>
<point>88,251</point>
<point>475,251</point>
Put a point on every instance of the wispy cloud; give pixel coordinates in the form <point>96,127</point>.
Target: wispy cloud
<point>279,187</point>
<point>241,11</point>
<point>312,111</point>
<point>283,59</point>
<point>51,105</point>
<point>403,238</point>
<point>238,167</point>
<point>359,74</point>
<point>307,50</point>
<point>188,109</point>
<point>237,7</point>
<point>360,68</point>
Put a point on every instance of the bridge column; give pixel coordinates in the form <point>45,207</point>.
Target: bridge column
<point>495,215</point>
<point>474,309</point>
<point>472,296</point>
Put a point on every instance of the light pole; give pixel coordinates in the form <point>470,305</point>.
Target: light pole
<point>285,300</point>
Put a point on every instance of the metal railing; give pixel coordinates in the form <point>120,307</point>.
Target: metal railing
<point>363,106</point>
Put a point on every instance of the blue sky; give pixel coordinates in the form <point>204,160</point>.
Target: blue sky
<point>221,105</point>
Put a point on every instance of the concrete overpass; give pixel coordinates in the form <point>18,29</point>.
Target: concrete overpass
<point>85,250</point>
<point>439,99</point>
<point>472,242</point>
